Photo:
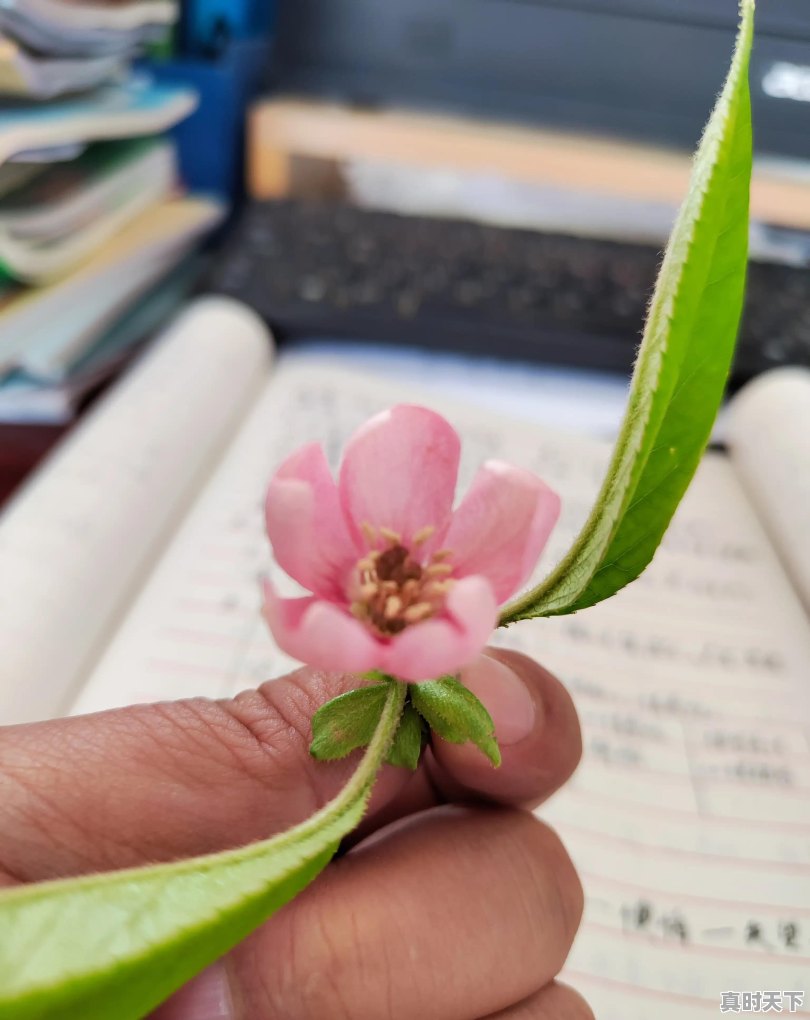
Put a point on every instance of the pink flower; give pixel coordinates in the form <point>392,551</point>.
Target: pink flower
<point>400,581</point>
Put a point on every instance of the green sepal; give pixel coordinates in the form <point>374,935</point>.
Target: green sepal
<point>410,738</point>
<point>454,712</point>
<point>347,722</point>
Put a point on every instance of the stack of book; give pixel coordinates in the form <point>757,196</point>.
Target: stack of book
<point>97,237</point>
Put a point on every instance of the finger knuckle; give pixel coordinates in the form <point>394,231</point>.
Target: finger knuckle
<point>267,730</point>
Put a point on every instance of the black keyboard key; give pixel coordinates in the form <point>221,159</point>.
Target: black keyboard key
<point>324,269</point>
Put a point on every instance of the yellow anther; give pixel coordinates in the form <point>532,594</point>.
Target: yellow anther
<point>413,614</point>
<point>369,532</point>
<point>393,604</point>
<point>423,534</point>
<point>392,536</point>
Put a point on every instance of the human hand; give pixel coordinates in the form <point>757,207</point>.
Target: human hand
<point>451,903</point>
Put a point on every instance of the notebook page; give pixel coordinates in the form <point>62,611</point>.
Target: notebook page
<point>688,818</point>
<point>67,572</point>
<point>769,439</point>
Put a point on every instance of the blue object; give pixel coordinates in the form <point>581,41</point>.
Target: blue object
<point>207,27</point>
<point>211,142</point>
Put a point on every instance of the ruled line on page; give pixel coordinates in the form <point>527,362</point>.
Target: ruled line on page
<point>634,807</point>
<point>659,850</point>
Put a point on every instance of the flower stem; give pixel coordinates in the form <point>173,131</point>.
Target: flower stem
<point>360,785</point>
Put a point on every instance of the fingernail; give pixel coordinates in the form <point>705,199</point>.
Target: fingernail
<point>505,696</point>
<point>207,997</point>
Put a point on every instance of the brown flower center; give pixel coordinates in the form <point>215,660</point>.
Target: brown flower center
<point>392,588</point>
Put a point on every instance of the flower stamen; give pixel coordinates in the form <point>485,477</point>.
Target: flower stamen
<point>392,588</point>
<point>421,611</point>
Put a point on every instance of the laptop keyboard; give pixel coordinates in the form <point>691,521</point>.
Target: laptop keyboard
<point>324,269</point>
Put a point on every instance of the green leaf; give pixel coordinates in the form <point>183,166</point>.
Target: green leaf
<point>455,713</point>
<point>409,740</point>
<point>115,945</point>
<point>681,369</point>
<point>347,722</point>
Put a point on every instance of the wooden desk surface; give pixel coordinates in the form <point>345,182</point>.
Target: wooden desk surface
<point>281,129</point>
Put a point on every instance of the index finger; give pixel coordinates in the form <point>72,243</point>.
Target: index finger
<point>156,782</point>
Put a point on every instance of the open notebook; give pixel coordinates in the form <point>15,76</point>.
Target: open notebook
<point>130,571</point>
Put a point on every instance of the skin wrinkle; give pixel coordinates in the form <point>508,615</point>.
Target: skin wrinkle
<point>278,728</point>
<point>320,982</point>
<point>53,829</point>
<point>177,758</point>
<point>204,720</point>
<point>165,738</point>
<point>391,964</point>
<point>310,978</point>
<point>339,953</point>
<point>187,758</point>
<point>246,755</point>
<point>55,825</point>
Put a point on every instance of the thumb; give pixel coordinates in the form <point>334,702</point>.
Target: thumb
<point>158,782</point>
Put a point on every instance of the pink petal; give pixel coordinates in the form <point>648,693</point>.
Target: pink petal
<point>320,633</point>
<point>305,523</point>
<point>501,526</point>
<point>444,645</point>
<point>399,471</point>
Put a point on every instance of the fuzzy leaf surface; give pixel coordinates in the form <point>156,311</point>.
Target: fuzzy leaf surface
<point>682,365</point>
<point>455,713</point>
<point>409,740</point>
<point>347,722</point>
